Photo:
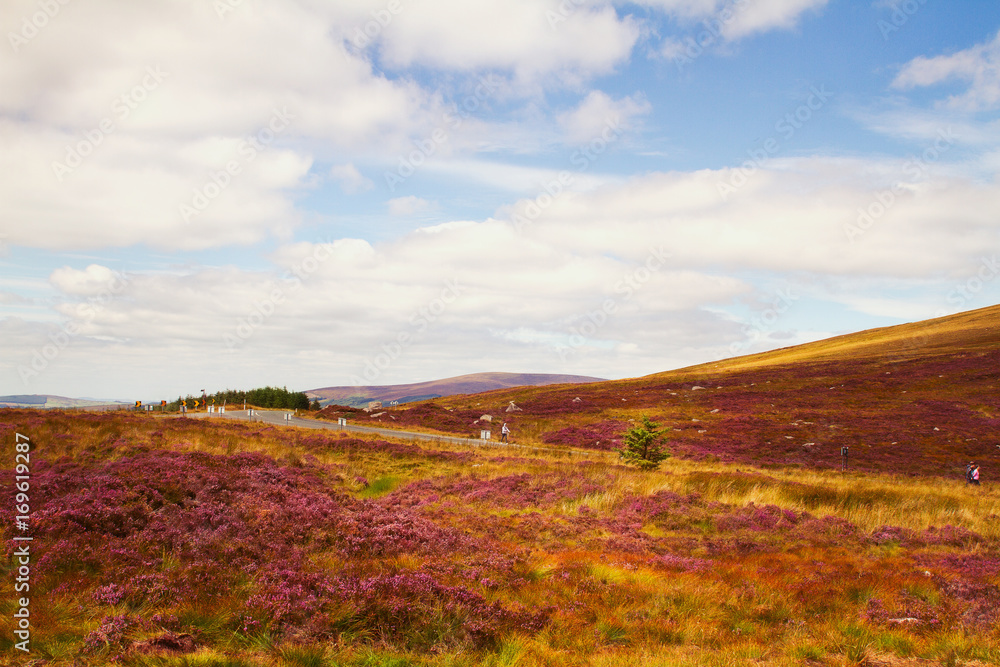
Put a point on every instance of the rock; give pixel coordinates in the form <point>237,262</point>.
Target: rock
<point>576,400</point>
<point>714,411</point>
<point>512,408</point>
<point>909,620</point>
<point>486,418</point>
<point>377,414</point>
<point>696,388</point>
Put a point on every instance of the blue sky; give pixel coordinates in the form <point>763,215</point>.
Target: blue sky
<point>234,193</point>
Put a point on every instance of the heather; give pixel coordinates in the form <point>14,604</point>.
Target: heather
<point>917,414</point>
<point>171,541</point>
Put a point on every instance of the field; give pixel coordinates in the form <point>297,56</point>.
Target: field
<point>166,541</point>
<point>170,542</point>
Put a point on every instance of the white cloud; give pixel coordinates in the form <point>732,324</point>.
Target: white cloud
<point>979,66</point>
<point>764,15</point>
<point>351,180</point>
<point>409,205</point>
<point>734,19</point>
<point>797,215</point>
<point>93,280</point>
<point>116,116</point>
<point>599,111</point>
<point>520,36</point>
<point>470,295</point>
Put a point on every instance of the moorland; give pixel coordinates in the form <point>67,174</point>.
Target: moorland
<point>165,541</point>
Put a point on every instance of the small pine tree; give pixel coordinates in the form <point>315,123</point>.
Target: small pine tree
<point>643,445</point>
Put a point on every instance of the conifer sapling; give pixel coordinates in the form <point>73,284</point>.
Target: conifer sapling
<point>643,445</point>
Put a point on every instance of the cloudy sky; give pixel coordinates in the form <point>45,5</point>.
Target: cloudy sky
<point>231,193</point>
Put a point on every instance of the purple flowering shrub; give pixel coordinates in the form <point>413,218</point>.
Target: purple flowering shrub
<point>162,547</point>
<point>605,435</point>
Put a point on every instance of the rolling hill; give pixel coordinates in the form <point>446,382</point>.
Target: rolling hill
<point>463,384</point>
<point>917,398</point>
<point>47,401</point>
<point>159,540</point>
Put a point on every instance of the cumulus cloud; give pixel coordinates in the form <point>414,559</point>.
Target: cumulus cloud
<point>198,137</point>
<point>561,294</point>
<point>532,39</point>
<point>139,123</point>
<point>599,111</point>
<point>979,66</point>
<point>797,215</point>
<point>734,19</point>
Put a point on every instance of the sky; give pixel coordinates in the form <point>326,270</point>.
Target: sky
<point>212,194</point>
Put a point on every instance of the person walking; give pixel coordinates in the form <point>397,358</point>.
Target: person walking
<point>968,473</point>
<point>975,475</point>
<point>504,432</point>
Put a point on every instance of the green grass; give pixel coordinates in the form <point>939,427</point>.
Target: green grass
<point>380,486</point>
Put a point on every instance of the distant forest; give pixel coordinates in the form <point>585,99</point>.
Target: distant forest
<point>264,397</point>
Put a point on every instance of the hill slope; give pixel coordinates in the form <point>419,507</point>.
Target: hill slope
<point>47,401</point>
<point>913,399</point>
<point>462,384</point>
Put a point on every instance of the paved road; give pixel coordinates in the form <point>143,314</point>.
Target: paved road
<point>282,418</point>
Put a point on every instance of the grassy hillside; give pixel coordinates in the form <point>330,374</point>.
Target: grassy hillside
<point>171,542</point>
<point>918,399</point>
<point>167,542</point>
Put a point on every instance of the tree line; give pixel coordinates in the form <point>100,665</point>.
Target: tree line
<point>273,398</point>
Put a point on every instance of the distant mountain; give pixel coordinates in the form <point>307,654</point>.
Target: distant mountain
<point>48,401</point>
<point>419,391</point>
